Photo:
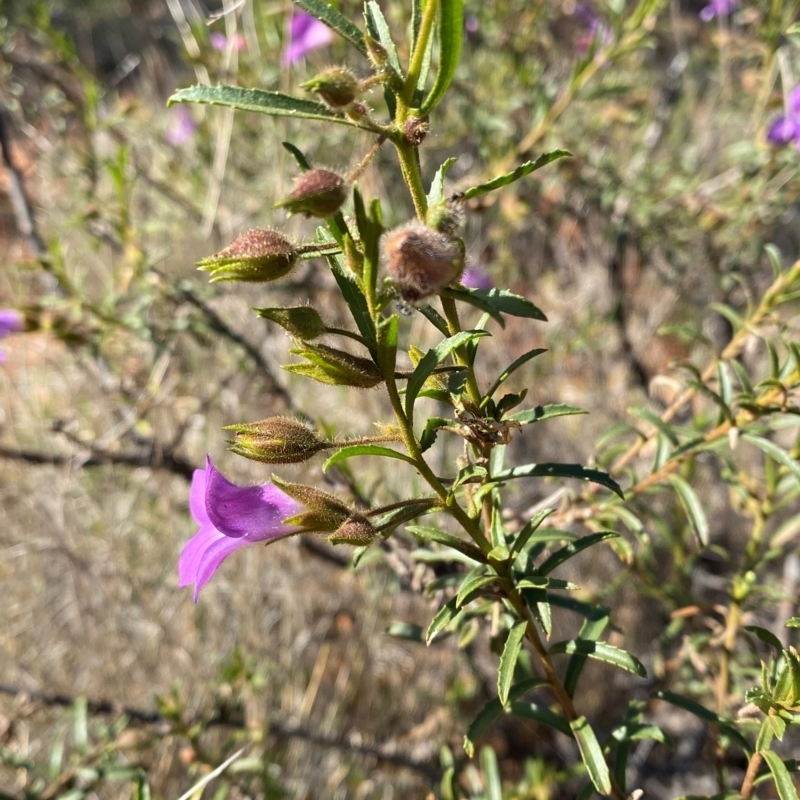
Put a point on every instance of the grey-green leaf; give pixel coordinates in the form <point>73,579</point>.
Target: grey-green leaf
<point>541,413</point>
<point>693,507</point>
<point>520,172</point>
<point>592,755</point>
<point>601,651</point>
<point>772,450</point>
<point>781,776</point>
<point>451,33</point>
<point>364,450</point>
<point>508,661</point>
<point>275,104</point>
<point>560,471</point>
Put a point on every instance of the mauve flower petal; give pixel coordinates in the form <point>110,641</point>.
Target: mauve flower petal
<point>192,554</point>
<point>197,498</point>
<point>475,277</point>
<point>305,33</point>
<point>253,511</point>
<point>214,554</point>
<point>11,321</point>
<point>783,131</point>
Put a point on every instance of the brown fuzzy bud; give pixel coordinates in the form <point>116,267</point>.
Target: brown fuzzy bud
<point>415,129</point>
<point>356,530</point>
<point>421,261</point>
<point>316,193</point>
<point>276,440</point>
<point>258,255</point>
<point>337,86</point>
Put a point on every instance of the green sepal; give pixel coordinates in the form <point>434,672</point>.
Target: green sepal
<point>301,322</point>
<point>335,367</point>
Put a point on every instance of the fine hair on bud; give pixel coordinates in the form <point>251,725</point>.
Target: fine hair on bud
<point>258,255</point>
<point>316,193</point>
<point>421,261</point>
<point>337,86</point>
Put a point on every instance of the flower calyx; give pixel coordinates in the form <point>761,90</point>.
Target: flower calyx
<point>421,261</point>
<point>301,322</point>
<point>356,530</point>
<point>259,255</point>
<point>335,367</point>
<point>336,86</point>
<point>322,511</point>
<point>276,440</point>
<point>316,193</point>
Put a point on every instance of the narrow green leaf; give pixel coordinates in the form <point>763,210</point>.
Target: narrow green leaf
<point>515,365</point>
<point>476,580</point>
<point>543,715</point>
<point>435,318</point>
<point>451,32</point>
<point>781,776</point>
<point>436,194</point>
<point>497,302</point>
<point>431,360</point>
<point>530,528</point>
<point>472,473</point>
<point>261,101</point>
<point>298,156</point>
<point>364,450</point>
<point>379,29</point>
<point>493,709</point>
<point>592,755</point>
<point>491,774</point>
<point>693,507</point>
<point>387,344</point>
<point>520,172</point>
<point>446,614</point>
<point>508,661</point>
<point>335,20</point>
<point>768,637</point>
<point>689,705</point>
<point>447,539</point>
<point>591,630</point>
<point>560,471</point>
<point>772,450</point>
<point>540,582</point>
<point>573,548</point>
<point>432,427</point>
<point>657,422</point>
<point>601,651</point>
<point>541,413</point>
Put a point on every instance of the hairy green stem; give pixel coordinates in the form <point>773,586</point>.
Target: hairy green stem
<point>410,169</point>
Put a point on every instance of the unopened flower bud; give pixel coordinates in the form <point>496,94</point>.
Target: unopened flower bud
<point>415,129</point>
<point>337,86</point>
<point>447,216</point>
<point>276,440</point>
<point>356,530</point>
<point>316,193</point>
<point>323,512</point>
<point>335,367</point>
<point>259,255</point>
<point>302,322</point>
<point>376,52</point>
<point>421,261</point>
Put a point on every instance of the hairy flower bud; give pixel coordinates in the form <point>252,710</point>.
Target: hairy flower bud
<point>276,440</point>
<point>302,322</point>
<point>447,216</point>
<point>356,530</point>
<point>335,367</point>
<point>316,193</point>
<point>258,255</point>
<point>337,86</point>
<point>421,261</point>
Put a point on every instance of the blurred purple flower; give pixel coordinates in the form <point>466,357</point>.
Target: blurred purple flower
<point>305,33</point>
<point>471,23</point>
<point>476,277</point>
<point>229,517</point>
<point>717,8</point>
<point>596,30</point>
<point>786,128</point>
<point>11,321</point>
<point>181,128</point>
<point>219,41</point>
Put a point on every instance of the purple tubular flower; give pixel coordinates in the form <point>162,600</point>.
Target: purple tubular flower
<point>786,128</point>
<point>229,517</point>
<point>305,33</point>
<point>475,277</point>
<point>717,8</point>
<point>10,322</point>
